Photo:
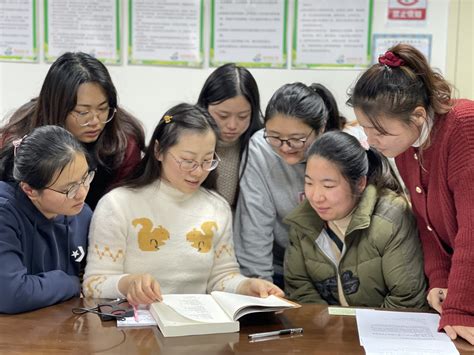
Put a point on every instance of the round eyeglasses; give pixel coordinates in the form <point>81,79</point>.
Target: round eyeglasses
<point>277,142</point>
<point>73,189</point>
<point>104,115</point>
<point>191,165</point>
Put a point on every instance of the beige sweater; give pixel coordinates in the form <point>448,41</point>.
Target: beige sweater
<point>228,170</point>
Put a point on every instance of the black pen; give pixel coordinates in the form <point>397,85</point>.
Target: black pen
<point>290,331</point>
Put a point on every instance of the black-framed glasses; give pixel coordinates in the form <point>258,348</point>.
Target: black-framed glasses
<point>277,142</point>
<point>72,191</point>
<point>191,165</point>
<point>84,118</point>
<point>118,309</point>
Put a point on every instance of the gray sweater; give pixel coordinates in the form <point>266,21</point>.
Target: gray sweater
<point>269,190</point>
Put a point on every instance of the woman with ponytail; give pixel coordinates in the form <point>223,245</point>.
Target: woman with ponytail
<point>272,184</point>
<point>44,221</point>
<point>408,113</point>
<point>353,241</point>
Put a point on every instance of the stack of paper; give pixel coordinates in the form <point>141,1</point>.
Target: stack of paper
<point>142,318</point>
<point>386,332</point>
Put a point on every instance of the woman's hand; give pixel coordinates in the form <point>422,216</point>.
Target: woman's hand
<point>259,288</point>
<point>436,297</point>
<point>140,289</point>
<point>467,333</point>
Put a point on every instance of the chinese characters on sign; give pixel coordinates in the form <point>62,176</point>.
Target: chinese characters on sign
<point>407,11</point>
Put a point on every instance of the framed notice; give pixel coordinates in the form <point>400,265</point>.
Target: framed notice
<point>91,26</point>
<point>407,13</point>
<point>332,33</point>
<point>382,42</point>
<point>18,30</point>
<point>251,33</point>
<point>166,32</point>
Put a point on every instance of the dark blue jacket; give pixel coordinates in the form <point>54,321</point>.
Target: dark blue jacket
<point>40,259</point>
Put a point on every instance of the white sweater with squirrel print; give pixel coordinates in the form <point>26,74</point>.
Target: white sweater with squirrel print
<point>183,240</point>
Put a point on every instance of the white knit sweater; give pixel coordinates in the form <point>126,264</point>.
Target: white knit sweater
<point>183,240</point>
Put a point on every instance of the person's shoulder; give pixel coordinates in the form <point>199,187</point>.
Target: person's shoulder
<point>12,208</point>
<point>257,138</point>
<point>391,206</point>
<point>303,216</point>
<point>260,151</point>
<point>461,114</point>
<point>7,194</point>
<point>86,213</point>
<point>463,108</point>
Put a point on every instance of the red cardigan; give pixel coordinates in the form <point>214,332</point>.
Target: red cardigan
<point>440,180</point>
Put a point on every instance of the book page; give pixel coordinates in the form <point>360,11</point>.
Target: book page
<point>236,305</point>
<point>200,308</point>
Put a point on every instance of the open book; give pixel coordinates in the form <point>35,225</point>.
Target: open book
<point>179,315</point>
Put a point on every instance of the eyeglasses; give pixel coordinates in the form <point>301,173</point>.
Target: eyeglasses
<point>291,142</point>
<point>84,118</point>
<point>118,309</point>
<point>72,191</point>
<point>191,165</point>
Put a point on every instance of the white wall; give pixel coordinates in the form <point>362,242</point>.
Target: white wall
<point>460,69</point>
<point>148,91</point>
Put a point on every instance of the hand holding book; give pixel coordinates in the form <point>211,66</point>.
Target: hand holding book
<point>145,289</point>
<point>259,288</point>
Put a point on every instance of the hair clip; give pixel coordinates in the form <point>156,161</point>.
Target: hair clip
<point>391,60</point>
<point>167,118</point>
<point>16,143</point>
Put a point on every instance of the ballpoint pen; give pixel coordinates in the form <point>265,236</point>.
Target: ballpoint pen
<point>290,331</point>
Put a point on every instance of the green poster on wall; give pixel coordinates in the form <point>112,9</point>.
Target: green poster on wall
<point>332,33</point>
<point>166,33</point>
<point>252,34</point>
<point>18,31</point>
<point>91,26</point>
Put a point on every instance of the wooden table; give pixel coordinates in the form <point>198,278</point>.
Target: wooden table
<point>55,330</point>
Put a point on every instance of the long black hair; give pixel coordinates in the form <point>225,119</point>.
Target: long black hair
<point>178,119</point>
<point>58,97</point>
<point>226,82</point>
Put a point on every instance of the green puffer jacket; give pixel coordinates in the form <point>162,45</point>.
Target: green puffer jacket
<point>381,264</point>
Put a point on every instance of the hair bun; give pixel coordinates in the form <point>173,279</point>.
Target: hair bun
<point>390,59</point>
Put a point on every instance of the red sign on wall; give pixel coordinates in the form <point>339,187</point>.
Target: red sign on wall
<point>407,10</point>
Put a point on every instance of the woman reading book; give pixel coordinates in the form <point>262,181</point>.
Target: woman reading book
<point>230,95</point>
<point>44,221</point>
<point>353,241</point>
<point>409,112</point>
<point>162,232</point>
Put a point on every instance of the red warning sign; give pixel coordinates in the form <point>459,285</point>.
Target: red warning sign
<point>407,10</point>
